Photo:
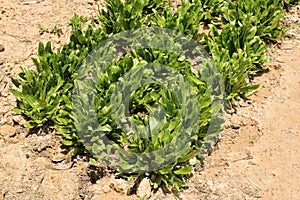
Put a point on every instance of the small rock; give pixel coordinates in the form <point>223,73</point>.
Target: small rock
<point>7,130</point>
<point>60,166</point>
<point>4,94</point>
<point>227,124</point>
<point>252,163</point>
<point>23,132</point>
<point>295,20</point>
<point>90,2</point>
<point>235,122</point>
<point>27,155</point>
<point>1,47</point>
<point>121,186</point>
<point>106,189</point>
<point>58,158</point>
<point>280,59</point>
<point>198,167</point>
<point>277,67</point>
<point>20,191</point>
<point>243,103</point>
<point>18,119</point>
<point>231,111</point>
<point>1,196</point>
<point>235,126</point>
<point>144,189</point>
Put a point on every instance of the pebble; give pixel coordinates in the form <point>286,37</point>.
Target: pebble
<point>121,186</point>
<point>90,2</point>
<point>2,47</point>
<point>227,124</point>
<point>27,155</point>
<point>106,189</point>
<point>58,157</point>
<point>235,126</point>
<point>20,191</point>
<point>252,163</point>
<point>18,119</point>
<point>295,20</point>
<point>231,111</point>
<point>144,189</point>
<point>280,59</point>
<point>235,122</point>
<point>8,131</point>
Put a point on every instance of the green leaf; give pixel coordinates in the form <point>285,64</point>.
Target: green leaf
<point>93,162</point>
<point>67,142</point>
<point>183,171</point>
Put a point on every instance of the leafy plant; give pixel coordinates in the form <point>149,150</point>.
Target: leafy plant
<point>237,52</point>
<point>212,11</point>
<point>263,15</point>
<point>186,18</point>
<point>142,100</point>
<point>118,16</point>
<point>239,31</point>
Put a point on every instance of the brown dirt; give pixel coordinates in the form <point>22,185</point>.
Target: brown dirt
<point>256,158</point>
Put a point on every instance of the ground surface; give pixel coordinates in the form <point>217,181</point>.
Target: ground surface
<point>258,156</point>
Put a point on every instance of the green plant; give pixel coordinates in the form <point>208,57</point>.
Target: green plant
<point>239,31</point>
<point>263,15</point>
<point>44,96</point>
<point>186,18</point>
<point>118,16</point>
<point>237,52</point>
<point>212,11</point>
<point>144,113</point>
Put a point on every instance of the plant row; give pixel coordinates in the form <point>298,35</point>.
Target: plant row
<point>236,43</point>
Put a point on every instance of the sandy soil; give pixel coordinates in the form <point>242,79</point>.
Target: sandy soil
<point>256,158</point>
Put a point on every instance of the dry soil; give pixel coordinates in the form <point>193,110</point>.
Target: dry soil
<point>258,156</point>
